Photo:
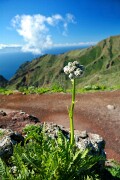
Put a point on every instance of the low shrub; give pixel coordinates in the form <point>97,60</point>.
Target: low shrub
<point>41,90</point>
<point>44,158</point>
<point>94,87</point>
<point>57,88</point>
<point>5,91</point>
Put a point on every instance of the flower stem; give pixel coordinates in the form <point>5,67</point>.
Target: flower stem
<point>71,113</point>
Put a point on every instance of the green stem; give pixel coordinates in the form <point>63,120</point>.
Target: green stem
<point>71,113</point>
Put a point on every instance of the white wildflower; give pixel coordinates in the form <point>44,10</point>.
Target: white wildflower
<point>66,70</point>
<point>13,169</point>
<point>77,72</point>
<point>70,64</point>
<point>75,63</point>
<point>71,76</point>
<point>74,69</point>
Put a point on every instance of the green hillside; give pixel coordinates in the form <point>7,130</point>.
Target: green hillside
<point>102,63</point>
<point>3,81</point>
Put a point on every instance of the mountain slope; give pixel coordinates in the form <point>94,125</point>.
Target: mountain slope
<point>102,63</point>
<point>3,81</point>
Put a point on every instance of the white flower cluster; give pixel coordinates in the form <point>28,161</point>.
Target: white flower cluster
<point>74,69</point>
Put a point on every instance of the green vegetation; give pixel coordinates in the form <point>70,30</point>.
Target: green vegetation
<point>3,81</point>
<point>6,91</point>
<point>57,89</point>
<point>44,158</point>
<point>102,64</point>
<point>92,88</point>
<point>73,70</point>
<point>33,90</point>
<point>115,169</point>
<point>1,133</point>
<point>71,112</point>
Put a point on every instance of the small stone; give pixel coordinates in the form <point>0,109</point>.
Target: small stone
<point>21,112</point>
<point>3,113</point>
<point>110,107</point>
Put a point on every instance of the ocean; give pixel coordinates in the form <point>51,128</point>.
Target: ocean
<point>10,61</point>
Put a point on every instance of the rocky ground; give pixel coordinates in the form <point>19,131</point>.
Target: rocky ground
<point>95,112</point>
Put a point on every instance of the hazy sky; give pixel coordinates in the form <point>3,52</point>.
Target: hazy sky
<point>35,25</point>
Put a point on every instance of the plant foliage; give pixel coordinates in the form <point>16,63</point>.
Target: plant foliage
<point>41,90</point>
<point>115,169</point>
<point>44,158</point>
<point>5,91</point>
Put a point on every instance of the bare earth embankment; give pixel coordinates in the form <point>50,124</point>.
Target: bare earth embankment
<point>91,113</point>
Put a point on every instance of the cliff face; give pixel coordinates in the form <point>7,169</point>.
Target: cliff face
<point>102,63</point>
<point>3,81</point>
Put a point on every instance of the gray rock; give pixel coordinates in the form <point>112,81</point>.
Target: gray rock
<point>6,148</point>
<point>83,139</point>
<point>8,139</point>
<point>82,134</point>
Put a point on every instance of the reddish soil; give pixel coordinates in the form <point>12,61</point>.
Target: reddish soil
<point>91,113</point>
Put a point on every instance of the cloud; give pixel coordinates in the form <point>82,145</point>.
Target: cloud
<point>35,30</point>
<point>2,46</point>
<point>75,44</point>
<point>68,19</point>
<point>18,47</point>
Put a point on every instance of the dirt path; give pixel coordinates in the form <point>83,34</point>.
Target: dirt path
<point>91,113</point>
